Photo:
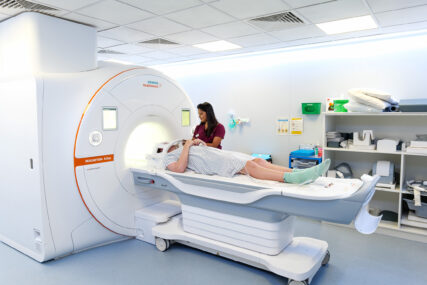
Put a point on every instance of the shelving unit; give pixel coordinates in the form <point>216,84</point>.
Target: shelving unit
<point>402,126</point>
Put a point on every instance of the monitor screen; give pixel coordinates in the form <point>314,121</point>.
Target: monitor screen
<point>185,118</point>
<point>109,118</point>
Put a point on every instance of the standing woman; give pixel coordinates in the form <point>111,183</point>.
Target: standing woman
<point>209,130</point>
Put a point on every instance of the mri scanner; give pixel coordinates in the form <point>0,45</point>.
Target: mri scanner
<point>75,141</point>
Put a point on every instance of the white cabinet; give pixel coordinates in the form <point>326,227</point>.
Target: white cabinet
<point>401,126</point>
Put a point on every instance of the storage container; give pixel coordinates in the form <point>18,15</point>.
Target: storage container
<point>311,108</point>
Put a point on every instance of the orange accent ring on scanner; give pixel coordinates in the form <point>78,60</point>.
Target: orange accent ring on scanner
<point>75,144</point>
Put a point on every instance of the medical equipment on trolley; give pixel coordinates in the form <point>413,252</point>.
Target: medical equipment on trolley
<point>79,177</point>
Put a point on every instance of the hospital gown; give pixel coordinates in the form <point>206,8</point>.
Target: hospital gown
<point>210,161</point>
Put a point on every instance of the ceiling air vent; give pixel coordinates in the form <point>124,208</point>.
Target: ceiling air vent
<point>281,21</point>
<point>23,5</point>
<point>107,51</point>
<point>159,41</point>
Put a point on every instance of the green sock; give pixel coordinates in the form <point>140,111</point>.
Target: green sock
<point>323,167</point>
<point>308,174</point>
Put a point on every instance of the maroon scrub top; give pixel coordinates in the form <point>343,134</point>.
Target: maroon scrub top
<point>199,133</point>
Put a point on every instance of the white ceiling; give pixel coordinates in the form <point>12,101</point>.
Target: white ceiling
<point>123,24</point>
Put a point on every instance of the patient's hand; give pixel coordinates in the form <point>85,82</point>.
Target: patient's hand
<point>189,143</point>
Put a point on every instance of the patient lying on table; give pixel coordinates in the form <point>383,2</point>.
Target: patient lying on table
<point>196,156</point>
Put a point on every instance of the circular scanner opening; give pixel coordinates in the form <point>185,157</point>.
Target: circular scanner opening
<point>143,140</point>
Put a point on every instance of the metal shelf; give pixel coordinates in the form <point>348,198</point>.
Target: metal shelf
<point>362,150</point>
<point>395,125</point>
<point>382,114</point>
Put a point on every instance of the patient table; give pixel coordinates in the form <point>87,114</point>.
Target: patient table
<point>252,221</point>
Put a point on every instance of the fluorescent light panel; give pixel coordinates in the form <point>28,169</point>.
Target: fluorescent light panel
<point>348,25</point>
<point>217,46</point>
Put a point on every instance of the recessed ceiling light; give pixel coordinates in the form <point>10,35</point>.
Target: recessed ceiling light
<point>217,46</point>
<point>348,25</point>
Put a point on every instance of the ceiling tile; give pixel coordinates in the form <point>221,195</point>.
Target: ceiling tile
<point>200,17</point>
<point>309,31</point>
<point>159,26</point>
<point>105,42</point>
<point>253,40</point>
<point>231,30</point>
<point>303,3</point>
<point>336,10</point>
<point>191,37</point>
<point>125,34</point>
<point>153,62</point>
<point>130,49</point>
<point>130,58</point>
<point>187,50</point>
<point>177,59</point>
<point>161,7</point>
<point>158,55</point>
<point>404,16</point>
<point>99,24</point>
<point>200,56</point>
<point>243,9</point>
<point>115,12</point>
<point>67,4</point>
<point>388,5</point>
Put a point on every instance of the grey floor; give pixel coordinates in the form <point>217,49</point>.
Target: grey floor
<point>355,259</point>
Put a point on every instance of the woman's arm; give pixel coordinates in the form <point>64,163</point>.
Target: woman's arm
<point>218,134</point>
<point>216,142</point>
<point>181,164</point>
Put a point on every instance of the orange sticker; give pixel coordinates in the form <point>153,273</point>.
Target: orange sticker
<point>93,160</point>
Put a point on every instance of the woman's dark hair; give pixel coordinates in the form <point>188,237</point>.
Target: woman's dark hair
<point>210,117</point>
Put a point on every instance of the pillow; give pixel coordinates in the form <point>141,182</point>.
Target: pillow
<point>155,160</point>
<point>377,94</point>
<point>358,96</point>
<point>357,107</point>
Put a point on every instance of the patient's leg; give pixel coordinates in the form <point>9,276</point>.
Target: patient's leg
<point>257,171</point>
<point>269,165</point>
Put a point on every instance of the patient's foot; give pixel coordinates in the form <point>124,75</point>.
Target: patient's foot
<point>307,175</point>
<point>301,177</point>
<point>323,167</point>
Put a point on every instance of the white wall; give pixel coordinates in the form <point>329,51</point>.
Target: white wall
<point>270,86</point>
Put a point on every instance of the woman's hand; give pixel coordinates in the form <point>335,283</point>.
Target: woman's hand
<point>198,142</point>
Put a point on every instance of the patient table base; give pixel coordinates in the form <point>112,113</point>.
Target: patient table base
<point>299,261</point>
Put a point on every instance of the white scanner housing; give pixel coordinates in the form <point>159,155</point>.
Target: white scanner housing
<point>69,139</point>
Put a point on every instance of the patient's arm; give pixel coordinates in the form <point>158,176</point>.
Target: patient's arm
<point>181,164</point>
